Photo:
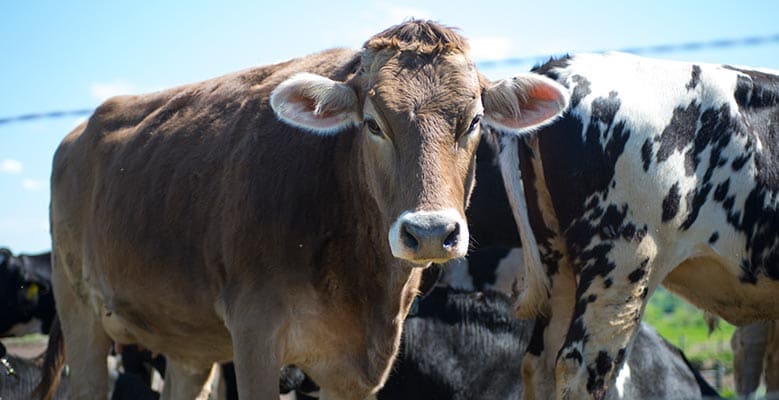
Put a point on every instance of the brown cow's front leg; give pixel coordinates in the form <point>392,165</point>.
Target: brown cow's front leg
<point>256,371</point>
<point>254,316</point>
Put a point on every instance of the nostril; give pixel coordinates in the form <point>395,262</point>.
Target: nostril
<point>409,240</point>
<point>452,237</point>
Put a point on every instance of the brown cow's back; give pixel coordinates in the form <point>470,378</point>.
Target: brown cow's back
<point>179,158</point>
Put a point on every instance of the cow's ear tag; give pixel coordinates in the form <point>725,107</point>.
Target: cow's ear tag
<point>32,291</point>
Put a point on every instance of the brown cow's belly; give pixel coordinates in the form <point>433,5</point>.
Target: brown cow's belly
<point>164,329</point>
<point>711,285</point>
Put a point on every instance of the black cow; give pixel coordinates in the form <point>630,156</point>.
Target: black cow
<point>26,301</point>
<point>460,345</point>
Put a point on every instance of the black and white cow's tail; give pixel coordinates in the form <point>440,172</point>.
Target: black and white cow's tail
<point>534,299</point>
<point>54,360</point>
<point>519,107</point>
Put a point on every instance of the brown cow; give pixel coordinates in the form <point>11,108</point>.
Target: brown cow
<point>279,215</point>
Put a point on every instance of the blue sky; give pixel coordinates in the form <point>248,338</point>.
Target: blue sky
<point>57,55</point>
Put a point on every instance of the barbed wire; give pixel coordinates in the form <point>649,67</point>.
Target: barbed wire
<point>749,41</point>
<point>46,115</point>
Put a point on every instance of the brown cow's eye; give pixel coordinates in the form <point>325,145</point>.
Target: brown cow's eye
<point>373,127</point>
<point>474,123</point>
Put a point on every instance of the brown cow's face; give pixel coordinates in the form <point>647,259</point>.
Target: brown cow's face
<point>420,131</point>
<point>417,103</point>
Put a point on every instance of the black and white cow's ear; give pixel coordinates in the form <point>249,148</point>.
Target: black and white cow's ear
<point>316,104</point>
<point>523,103</point>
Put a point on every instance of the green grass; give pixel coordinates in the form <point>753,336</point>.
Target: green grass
<point>681,323</point>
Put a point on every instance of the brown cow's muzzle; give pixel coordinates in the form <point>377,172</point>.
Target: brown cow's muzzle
<point>423,237</point>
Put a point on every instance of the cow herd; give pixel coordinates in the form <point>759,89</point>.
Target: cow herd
<point>292,219</point>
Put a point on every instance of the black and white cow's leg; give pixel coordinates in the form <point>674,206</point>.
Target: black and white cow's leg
<point>611,292</point>
<point>183,381</point>
<point>538,365</point>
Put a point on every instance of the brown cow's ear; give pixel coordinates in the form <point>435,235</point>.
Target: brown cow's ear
<point>523,103</point>
<point>316,104</point>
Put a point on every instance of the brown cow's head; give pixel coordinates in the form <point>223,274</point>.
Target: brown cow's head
<point>419,102</point>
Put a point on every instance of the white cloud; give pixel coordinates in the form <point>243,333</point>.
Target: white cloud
<point>10,166</point>
<point>32,184</point>
<point>490,48</point>
<point>102,91</point>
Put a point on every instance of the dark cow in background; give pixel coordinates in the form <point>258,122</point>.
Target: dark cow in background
<point>460,346</point>
<point>660,172</point>
<point>656,369</point>
<point>26,300</point>
<point>26,307</point>
<point>292,207</point>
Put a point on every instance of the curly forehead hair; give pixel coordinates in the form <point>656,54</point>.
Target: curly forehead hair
<point>424,37</point>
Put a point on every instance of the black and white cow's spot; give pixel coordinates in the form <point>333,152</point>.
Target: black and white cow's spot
<point>695,79</point>
<point>679,133</point>
<point>646,154</point>
<point>671,203</point>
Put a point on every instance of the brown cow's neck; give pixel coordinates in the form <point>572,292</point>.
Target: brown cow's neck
<point>383,285</point>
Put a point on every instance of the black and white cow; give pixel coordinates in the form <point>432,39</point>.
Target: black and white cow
<point>658,172</point>
<point>26,301</point>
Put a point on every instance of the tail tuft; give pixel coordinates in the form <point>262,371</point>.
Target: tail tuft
<point>53,361</point>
